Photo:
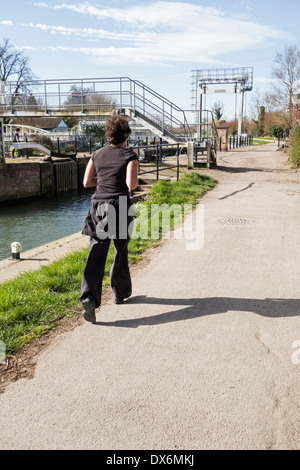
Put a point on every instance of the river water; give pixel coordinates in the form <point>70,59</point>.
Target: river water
<point>35,223</point>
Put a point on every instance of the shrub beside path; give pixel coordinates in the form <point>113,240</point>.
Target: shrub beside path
<point>205,355</point>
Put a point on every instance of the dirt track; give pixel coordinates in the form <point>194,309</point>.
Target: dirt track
<point>204,355</point>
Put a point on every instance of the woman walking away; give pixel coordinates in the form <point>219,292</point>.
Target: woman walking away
<point>114,171</point>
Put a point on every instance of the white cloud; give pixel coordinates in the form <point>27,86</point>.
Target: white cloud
<point>29,48</point>
<point>151,14</point>
<point>164,32</point>
<point>90,33</point>
<point>7,22</point>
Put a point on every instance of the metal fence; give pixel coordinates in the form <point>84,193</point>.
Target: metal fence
<point>75,143</point>
<point>152,158</point>
<point>238,141</point>
<point>61,143</point>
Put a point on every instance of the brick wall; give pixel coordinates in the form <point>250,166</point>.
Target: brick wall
<point>19,180</point>
<point>223,136</point>
<point>33,180</point>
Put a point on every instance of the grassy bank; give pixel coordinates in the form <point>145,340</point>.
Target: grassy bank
<point>262,140</point>
<point>32,303</point>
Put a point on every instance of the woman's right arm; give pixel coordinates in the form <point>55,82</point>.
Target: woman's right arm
<point>90,179</point>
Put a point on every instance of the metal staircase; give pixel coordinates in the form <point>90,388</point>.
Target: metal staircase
<point>155,127</point>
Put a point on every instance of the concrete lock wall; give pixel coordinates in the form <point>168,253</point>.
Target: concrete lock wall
<point>81,166</point>
<point>46,179</point>
<point>34,180</point>
<point>19,181</point>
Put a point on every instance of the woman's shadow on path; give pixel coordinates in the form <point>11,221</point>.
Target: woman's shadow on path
<point>198,307</point>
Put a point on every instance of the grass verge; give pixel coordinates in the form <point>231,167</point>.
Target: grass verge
<point>262,141</point>
<point>32,303</point>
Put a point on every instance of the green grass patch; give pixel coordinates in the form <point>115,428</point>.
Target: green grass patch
<point>262,140</point>
<point>296,148</point>
<point>33,302</point>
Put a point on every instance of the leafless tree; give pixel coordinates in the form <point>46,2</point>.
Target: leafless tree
<point>286,71</point>
<point>258,100</point>
<point>255,103</point>
<point>14,66</point>
<point>86,96</point>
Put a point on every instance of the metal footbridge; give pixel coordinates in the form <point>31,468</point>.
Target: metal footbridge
<point>98,98</point>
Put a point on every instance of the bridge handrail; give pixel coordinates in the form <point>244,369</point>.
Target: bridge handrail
<point>83,81</point>
<point>35,130</point>
<point>166,116</point>
<point>207,126</point>
<point>172,105</point>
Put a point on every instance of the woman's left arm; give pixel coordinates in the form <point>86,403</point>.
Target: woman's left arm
<point>132,180</point>
<point>89,179</point>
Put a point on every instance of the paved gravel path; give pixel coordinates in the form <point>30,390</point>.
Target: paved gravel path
<point>204,355</point>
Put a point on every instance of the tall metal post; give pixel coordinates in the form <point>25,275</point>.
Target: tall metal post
<point>2,153</point>
<point>2,93</point>
<point>45,96</point>
<point>2,103</point>
<point>241,111</point>
<point>199,123</point>
<point>121,104</point>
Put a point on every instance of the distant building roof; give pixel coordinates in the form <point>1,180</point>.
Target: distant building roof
<point>46,123</point>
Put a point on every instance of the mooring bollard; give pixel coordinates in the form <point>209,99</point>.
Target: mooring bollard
<point>16,247</point>
<point>190,154</point>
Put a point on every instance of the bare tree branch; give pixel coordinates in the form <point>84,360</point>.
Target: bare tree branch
<point>14,66</point>
<point>286,70</point>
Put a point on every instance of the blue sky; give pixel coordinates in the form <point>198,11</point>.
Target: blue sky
<point>153,41</point>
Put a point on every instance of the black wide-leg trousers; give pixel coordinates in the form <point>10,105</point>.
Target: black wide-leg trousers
<point>120,280</point>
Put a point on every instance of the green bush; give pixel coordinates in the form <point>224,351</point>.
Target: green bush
<point>96,130</point>
<point>69,148</point>
<point>296,147</point>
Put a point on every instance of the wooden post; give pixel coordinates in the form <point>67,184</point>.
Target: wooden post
<point>157,165</point>
<point>208,154</point>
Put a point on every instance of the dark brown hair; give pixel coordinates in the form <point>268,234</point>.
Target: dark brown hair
<point>117,130</point>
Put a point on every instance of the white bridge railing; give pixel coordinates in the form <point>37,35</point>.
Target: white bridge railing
<point>9,130</point>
